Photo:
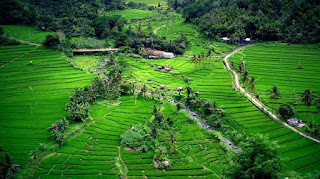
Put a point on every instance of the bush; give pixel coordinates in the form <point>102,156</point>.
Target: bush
<point>137,138</point>
<point>78,111</point>
<point>286,111</point>
<point>51,41</point>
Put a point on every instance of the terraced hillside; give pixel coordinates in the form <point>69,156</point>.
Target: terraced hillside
<point>96,152</point>
<point>215,83</point>
<point>278,64</point>
<point>27,33</point>
<point>198,42</point>
<point>33,96</point>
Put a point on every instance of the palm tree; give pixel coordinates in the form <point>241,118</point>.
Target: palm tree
<point>275,93</point>
<point>245,76</point>
<point>307,97</point>
<point>144,90</point>
<point>8,168</point>
<point>252,84</point>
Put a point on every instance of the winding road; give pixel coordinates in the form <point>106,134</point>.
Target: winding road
<point>254,100</point>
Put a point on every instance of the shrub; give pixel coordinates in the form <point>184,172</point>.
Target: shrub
<point>51,41</point>
<point>137,137</point>
<point>78,111</point>
<point>286,111</point>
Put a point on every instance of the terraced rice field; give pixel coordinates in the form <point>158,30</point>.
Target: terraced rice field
<point>277,64</point>
<point>27,33</point>
<point>198,42</point>
<point>94,152</point>
<point>32,97</point>
<point>215,83</point>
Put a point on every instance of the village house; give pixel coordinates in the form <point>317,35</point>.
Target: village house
<point>295,122</point>
<point>156,54</point>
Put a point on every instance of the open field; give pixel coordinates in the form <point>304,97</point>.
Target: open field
<point>87,62</point>
<point>277,64</point>
<point>33,96</point>
<point>215,83</point>
<point>95,151</point>
<point>27,33</point>
<point>163,3</point>
<point>131,14</point>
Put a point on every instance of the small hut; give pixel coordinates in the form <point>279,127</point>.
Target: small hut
<point>295,122</point>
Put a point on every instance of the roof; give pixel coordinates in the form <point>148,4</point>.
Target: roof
<point>154,51</point>
<point>247,39</point>
<point>225,38</point>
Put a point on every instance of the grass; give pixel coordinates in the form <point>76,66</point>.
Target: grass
<point>33,96</point>
<point>131,14</point>
<point>277,64</point>
<point>155,3</point>
<point>87,62</point>
<point>27,33</point>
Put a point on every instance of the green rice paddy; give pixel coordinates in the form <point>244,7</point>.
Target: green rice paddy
<point>131,14</point>
<point>33,96</point>
<point>215,83</point>
<point>27,33</point>
<point>277,64</point>
<point>94,152</point>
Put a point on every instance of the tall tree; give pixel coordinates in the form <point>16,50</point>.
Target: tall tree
<point>307,98</point>
<point>259,158</point>
<point>8,168</point>
<point>275,94</point>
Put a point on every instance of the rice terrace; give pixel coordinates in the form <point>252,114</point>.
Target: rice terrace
<point>160,89</point>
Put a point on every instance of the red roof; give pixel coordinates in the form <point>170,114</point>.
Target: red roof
<point>155,51</point>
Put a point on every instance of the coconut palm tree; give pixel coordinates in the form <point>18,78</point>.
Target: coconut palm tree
<point>275,94</point>
<point>245,76</point>
<point>307,98</point>
<point>8,168</point>
<point>252,84</point>
<point>144,89</point>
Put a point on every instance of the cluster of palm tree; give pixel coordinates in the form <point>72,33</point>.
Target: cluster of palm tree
<point>196,59</point>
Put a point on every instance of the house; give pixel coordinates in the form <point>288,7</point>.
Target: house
<point>295,122</point>
<point>225,39</point>
<point>159,54</point>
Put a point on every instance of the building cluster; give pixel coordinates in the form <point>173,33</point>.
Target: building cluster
<point>157,54</point>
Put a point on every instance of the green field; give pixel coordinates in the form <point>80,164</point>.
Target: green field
<point>163,3</point>
<point>131,14</point>
<point>27,33</point>
<point>277,64</point>
<point>215,83</point>
<point>198,42</point>
<point>94,152</point>
<point>33,96</point>
<point>86,62</point>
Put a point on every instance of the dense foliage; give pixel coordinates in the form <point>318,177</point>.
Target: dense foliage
<point>293,21</point>
<point>74,18</point>
<point>259,158</point>
<point>286,111</point>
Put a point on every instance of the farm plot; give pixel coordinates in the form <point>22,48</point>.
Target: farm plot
<point>198,42</point>
<point>215,83</point>
<point>33,96</point>
<point>94,152</point>
<point>27,33</point>
<point>278,64</point>
<point>197,153</point>
<point>131,14</point>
